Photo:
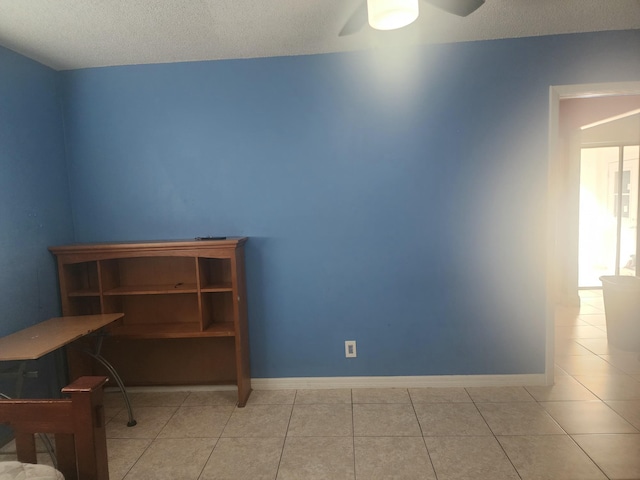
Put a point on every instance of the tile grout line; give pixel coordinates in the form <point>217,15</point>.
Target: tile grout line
<point>353,435</point>
<point>286,435</point>
<point>424,441</point>
<point>494,435</point>
<point>204,466</point>
<point>593,393</point>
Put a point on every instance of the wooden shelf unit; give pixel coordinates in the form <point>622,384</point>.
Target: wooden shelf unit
<point>171,293</point>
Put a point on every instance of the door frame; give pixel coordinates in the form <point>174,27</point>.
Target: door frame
<point>563,188</point>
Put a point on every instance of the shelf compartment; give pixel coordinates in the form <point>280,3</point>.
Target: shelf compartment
<point>171,361</point>
<point>84,305</point>
<point>217,307</point>
<point>137,273</point>
<point>173,330</point>
<point>215,274</point>
<point>152,310</point>
<point>82,279</point>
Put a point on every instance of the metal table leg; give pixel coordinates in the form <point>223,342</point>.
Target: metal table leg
<point>19,373</point>
<point>112,371</point>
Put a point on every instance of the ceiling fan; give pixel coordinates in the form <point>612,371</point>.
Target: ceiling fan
<point>461,8</point>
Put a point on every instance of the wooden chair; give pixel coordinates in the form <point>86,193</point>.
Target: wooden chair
<point>77,424</point>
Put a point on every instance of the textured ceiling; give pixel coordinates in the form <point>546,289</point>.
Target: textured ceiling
<point>69,34</point>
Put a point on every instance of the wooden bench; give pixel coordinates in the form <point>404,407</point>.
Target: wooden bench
<point>77,424</point>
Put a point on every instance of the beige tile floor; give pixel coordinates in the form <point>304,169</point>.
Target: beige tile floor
<point>586,426</point>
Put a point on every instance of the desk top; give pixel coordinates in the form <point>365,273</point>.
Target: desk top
<point>45,337</point>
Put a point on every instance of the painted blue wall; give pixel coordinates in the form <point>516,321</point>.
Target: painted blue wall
<point>35,209</point>
<point>395,197</point>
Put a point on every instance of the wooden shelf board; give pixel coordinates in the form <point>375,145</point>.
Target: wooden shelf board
<point>178,288</point>
<point>173,330</point>
<point>216,288</point>
<point>84,293</point>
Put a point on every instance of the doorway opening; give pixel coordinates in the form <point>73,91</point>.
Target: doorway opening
<point>564,167</point>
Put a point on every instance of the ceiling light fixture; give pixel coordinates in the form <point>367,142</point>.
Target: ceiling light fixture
<point>391,14</point>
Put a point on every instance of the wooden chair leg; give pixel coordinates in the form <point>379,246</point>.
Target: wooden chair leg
<point>89,429</point>
<point>26,447</point>
<point>66,456</point>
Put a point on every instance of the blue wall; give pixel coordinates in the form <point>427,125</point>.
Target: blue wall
<point>392,197</point>
<point>35,210</point>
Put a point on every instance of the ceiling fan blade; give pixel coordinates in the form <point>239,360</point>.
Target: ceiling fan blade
<point>357,20</point>
<point>462,8</point>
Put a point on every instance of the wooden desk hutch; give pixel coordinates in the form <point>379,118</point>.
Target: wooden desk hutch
<point>184,305</point>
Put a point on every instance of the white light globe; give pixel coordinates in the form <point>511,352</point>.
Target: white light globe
<point>391,14</point>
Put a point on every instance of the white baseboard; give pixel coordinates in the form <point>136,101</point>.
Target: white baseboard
<point>301,383</point>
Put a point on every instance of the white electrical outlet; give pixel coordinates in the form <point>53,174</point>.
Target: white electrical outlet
<point>350,349</point>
